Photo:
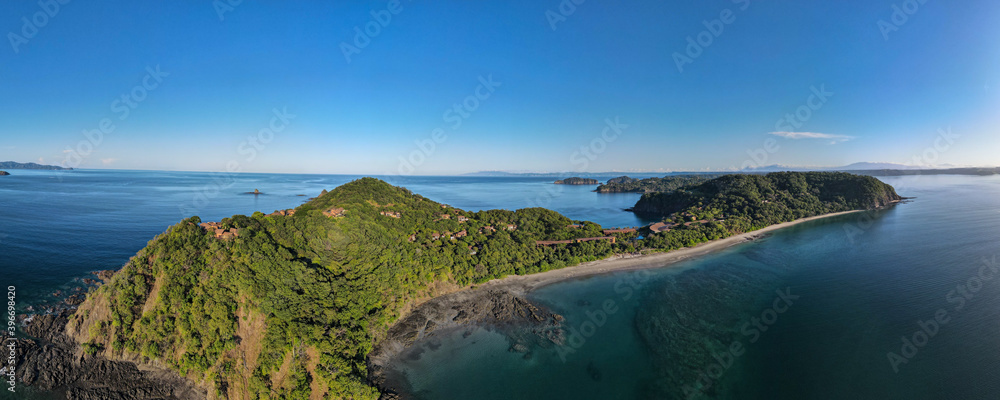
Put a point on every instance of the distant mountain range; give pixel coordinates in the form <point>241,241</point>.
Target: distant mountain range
<point>862,168</point>
<point>858,166</point>
<point>17,165</point>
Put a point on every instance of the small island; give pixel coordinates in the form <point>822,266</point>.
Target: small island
<point>577,181</point>
<point>255,192</point>
<point>625,184</point>
<point>4,173</point>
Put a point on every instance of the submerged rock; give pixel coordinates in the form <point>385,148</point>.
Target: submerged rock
<point>592,370</point>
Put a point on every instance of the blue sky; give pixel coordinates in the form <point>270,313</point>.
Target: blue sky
<point>267,87</point>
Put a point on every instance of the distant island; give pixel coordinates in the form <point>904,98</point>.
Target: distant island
<point>577,181</point>
<point>17,165</point>
<point>296,303</point>
<point>4,173</point>
<point>624,184</point>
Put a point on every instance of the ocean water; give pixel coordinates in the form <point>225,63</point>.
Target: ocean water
<point>863,283</point>
<point>901,303</point>
<point>58,226</point>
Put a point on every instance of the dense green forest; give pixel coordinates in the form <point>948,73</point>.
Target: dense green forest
<point>577,181</point>
<point>292,304</point>
<point>626,184</point>
<point>745,202</point>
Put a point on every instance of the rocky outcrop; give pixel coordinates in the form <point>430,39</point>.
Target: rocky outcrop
<point>50,361</point>
<point>105,275</point>
<point>493,309</point>
<point>4,173</point>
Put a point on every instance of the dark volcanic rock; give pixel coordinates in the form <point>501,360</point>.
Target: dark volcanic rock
<point>4,173</point>
<point>53,362</point>
<point>524,324</point>
<point>105,275</point>
<point>75,300</point>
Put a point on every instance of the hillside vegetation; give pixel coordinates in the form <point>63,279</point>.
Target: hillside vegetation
<point>293,304</point>
<point>289,306</point>
<point>749,202</point>
<point>626,184</point>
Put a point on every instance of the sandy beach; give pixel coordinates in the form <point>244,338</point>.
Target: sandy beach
<point>491,302</point>
<point>522,284</point>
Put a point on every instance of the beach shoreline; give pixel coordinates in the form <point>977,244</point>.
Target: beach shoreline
<point>524,284</point>
<point>456,309</point>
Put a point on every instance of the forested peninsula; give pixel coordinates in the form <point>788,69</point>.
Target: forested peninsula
<point>290,304</point>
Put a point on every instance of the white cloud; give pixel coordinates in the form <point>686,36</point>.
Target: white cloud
<point>813,135</point>
<point>108,161</point>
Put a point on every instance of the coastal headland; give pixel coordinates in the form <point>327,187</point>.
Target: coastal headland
<point>336,287</point>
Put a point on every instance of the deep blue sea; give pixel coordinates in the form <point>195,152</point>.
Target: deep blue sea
<point>810,312</point>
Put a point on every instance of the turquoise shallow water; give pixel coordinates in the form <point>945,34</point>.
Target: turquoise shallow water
<point>851,289</point>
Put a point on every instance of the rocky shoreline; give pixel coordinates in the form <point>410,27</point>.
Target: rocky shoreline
<point>48,360</point>
<point>502,304</point>
<point>499,309</point>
